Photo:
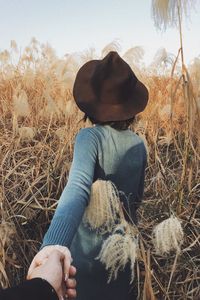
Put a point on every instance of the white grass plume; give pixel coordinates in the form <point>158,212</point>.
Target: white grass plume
<point>134,55</point>
<point>168,236</point>
<point>51,108</point>
<point>28,78</point>
<point>165,12</point>
<point>113,46</point>
<point>194,70</point>
<point>119,249</point>
<point>26,133</point>
<point>20,103</point>
<point>162,61</point>
<point>104,214</point>
<point>165,112</point>
<point>4,57</point>
<point>13,45</point>
<point>104,207</point>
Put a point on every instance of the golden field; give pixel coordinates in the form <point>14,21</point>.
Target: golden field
<point>38,123</point>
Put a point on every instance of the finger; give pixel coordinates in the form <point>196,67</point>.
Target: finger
<point>71,293</point>
<point>66,268</point>
<point>72,271</point>
<point>66,265</point>
<point>63,289</point>
<point>60,297</point>
<point>67,259</point>
<point>71,283</point>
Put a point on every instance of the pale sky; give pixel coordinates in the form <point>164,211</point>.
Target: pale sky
<point>76,25</point>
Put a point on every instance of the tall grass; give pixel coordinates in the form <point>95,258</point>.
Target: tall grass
<point>38,123</point>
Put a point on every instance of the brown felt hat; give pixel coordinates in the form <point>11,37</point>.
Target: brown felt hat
<point>108,90</point>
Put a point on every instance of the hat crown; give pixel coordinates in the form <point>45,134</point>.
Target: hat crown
<point>108,90</point>
<point>113,76</point>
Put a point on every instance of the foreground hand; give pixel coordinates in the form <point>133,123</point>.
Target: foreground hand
<point>52,271</point>
<point>71,283</point>
<point>44,254</point>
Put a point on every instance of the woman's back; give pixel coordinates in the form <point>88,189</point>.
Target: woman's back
<point>121,158</point>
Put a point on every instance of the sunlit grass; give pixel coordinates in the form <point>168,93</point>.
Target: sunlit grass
<point>38,123</point>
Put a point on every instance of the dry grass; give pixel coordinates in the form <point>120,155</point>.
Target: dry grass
<point>36,146</point>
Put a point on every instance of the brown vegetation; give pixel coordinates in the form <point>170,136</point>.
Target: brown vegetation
<point>38,123</point>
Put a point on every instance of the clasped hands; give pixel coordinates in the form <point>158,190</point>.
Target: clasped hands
<point>53,263</point>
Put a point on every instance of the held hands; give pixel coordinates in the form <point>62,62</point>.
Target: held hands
<point>52,263</point>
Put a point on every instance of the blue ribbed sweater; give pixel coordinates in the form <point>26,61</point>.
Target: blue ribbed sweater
<point>100,152</point>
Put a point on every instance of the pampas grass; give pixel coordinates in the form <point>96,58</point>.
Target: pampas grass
<point>26,133</point>
<point>103,213</point>
<point>113,46</point>
<point>119,249</point>
<point>168,236</point>
<point>103,210</point>
<point>34,174</point>
<point>165,12</point>
<point>20,104</point>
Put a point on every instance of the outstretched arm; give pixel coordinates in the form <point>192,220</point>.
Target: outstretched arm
<point>73,201</point>
<point>75,196</point>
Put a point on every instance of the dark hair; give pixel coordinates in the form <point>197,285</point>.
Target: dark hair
<point>119,125</point>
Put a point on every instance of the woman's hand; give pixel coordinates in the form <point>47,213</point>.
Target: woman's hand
<point>51,270</point>
<point>43,254</point>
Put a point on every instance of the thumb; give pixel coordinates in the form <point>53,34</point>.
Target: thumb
<point>66,261</point>
<point>66,266</point>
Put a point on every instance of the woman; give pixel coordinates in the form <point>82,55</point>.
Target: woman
<point>110,95</point>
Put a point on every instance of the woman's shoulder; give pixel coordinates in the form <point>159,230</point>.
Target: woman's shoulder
<point>94,132</point>
<point>88,135</point>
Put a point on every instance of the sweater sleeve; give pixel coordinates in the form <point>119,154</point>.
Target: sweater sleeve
<point>32,289</point>
<point>75,195</point>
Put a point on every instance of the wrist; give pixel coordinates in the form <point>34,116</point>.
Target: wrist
<point>41,288</point>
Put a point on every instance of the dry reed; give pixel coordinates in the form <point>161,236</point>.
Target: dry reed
<point>34,171</point>
<point>104,207</point>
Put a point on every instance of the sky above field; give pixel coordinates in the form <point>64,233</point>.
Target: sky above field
<point>76,25</point>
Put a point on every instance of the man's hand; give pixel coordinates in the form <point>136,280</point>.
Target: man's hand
<point>49,265</point>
